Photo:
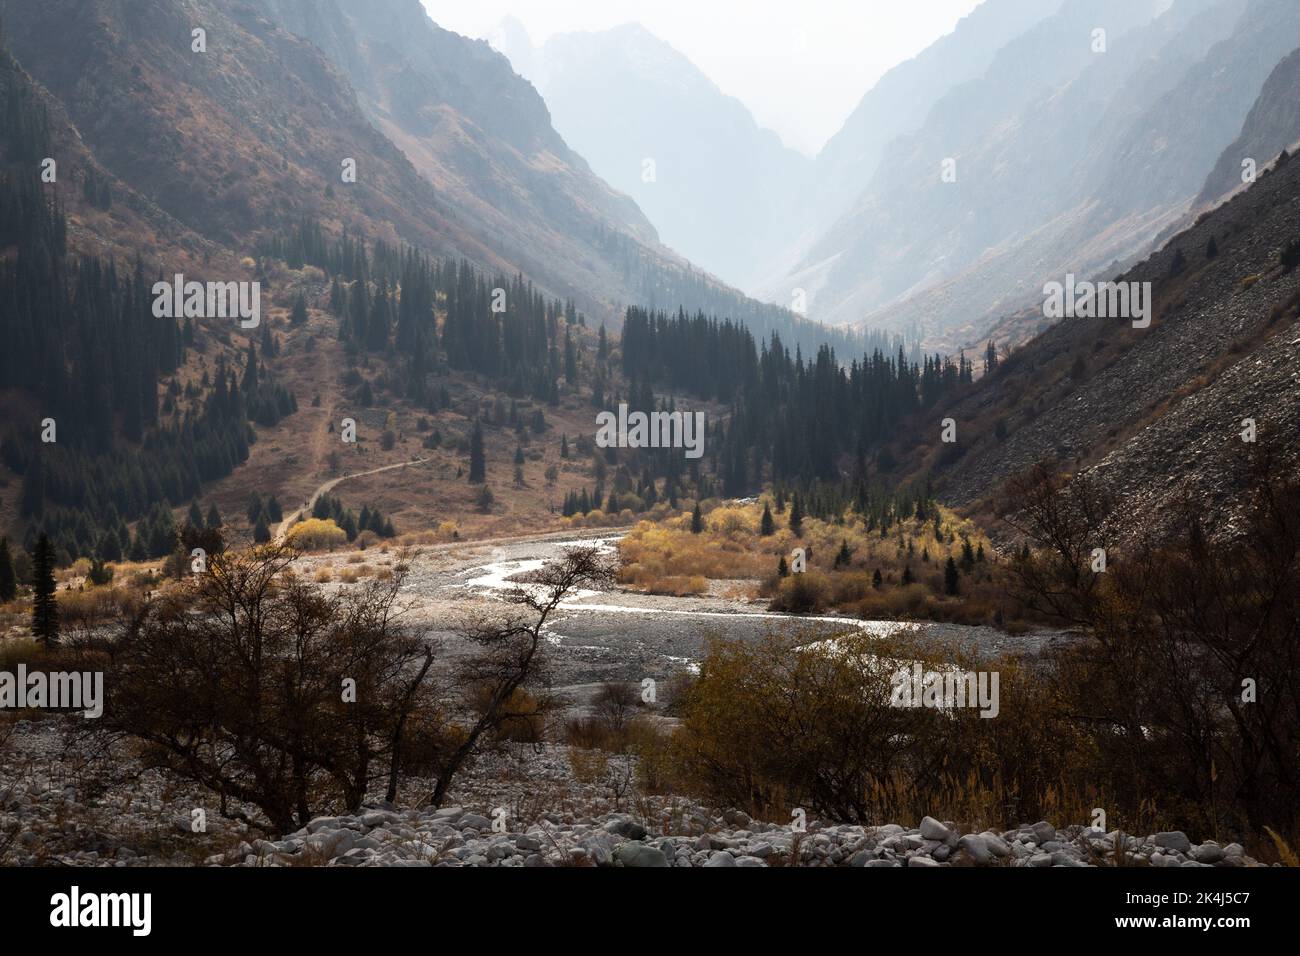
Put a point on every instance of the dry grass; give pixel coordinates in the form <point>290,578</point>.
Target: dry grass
<point>664,557</point>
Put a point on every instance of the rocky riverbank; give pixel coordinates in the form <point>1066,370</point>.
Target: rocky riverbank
<point>455,836</point>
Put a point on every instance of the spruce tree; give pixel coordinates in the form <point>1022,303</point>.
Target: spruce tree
<point>768,527</point>
<point>477,463</point>
<point>697,520</point>
<point>796,516</point>
<point>951,578</point>
<point>45,606</point>
<point>8,580</point>
<point>261,533</point>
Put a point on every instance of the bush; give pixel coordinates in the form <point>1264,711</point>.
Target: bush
<point>316,534</point>
<point>802,593</point>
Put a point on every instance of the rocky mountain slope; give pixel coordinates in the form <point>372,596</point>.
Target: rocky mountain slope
<point>454,153</point>
<point>1272,125</point>
<point>721,189</point>
<point>898,105</point>
<point>1069,166</point>
<point>1155,414</point>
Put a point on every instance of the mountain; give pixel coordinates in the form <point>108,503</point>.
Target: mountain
<point>455,154</point>
<point>1152,415</point>
<point>718,187</point>
<point>1272,125</point>
<point>901,100</point>
<point>1067,161</point>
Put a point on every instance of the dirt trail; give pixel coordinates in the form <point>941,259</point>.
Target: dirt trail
<point>282,529</point>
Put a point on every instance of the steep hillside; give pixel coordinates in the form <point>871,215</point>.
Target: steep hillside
<point>1101,170</point>
<point>1072,167</point>
<point>910,228</point>
<point>481,136</point>
<point>1272,125</point>
<point>899,103</point>
<point>721,188</point>
<point>233,141</point>
<point>1154,414</point>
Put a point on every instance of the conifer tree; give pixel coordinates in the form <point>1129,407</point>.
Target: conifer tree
<point>45,606</point>
<point>8,580</point>
<point>697,520</point>
<point>477,463</point>
<point>951,578</point>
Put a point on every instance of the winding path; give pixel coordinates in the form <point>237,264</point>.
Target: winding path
<point>282,529</point>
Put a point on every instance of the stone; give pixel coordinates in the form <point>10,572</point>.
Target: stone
<point>721,858</point>
<point>976,847</point>
<point>626,827</point>
<point>1210,853</point>
<point>639,855</point>
<point>1043,831</point>
<point>932,829</point>
<point>1173,840</point>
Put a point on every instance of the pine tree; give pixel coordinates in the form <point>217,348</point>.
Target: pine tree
<point>877,580</point>
<point>214,517</point>
<point>195,516</point>
<point>697,520</point>
<point>298,316</point>
<point>261,533</point>
<point>564,446</point>
<point>768,527</point>
<point>782,569</point>
<point>967,556</point>
<point>951,578</point>
<point>796,516</point>
<point>477,463</point>
<point>907,575</point>
<point>45,606</point>
<point>8,580</point>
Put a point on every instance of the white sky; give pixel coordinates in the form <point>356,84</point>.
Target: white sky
<point>801,66</point>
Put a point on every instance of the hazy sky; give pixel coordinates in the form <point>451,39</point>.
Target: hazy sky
<point>799,65</point>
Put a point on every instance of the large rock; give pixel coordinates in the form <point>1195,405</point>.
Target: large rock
<point>626,827</point>
<point>1173,840</point>
<point>976,847</point>
<point>639,855</point>
<point>1043,831</point>
<point>932,829</point>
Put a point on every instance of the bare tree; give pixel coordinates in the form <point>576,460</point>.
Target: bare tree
<point>615,704</point>
<point>511,650</point>
<point>1065,519</point>
<point>267,691</point>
